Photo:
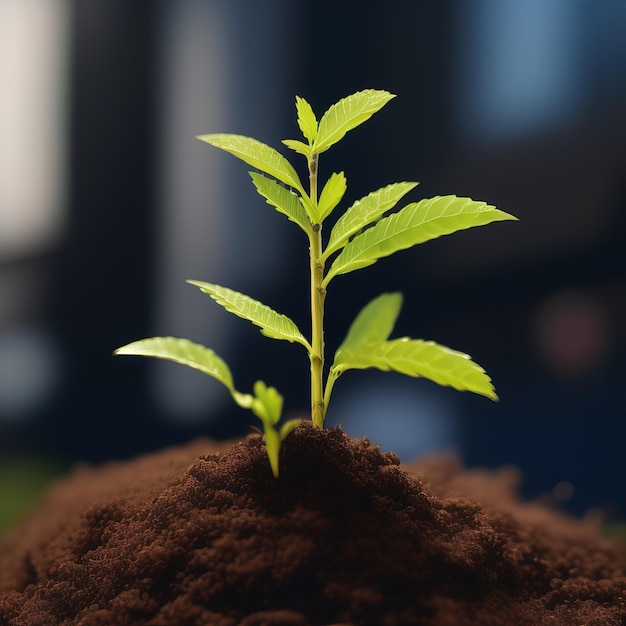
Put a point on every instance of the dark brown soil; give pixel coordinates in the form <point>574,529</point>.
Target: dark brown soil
<point>344,536</point>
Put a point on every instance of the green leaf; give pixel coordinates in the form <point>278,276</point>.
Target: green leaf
<point>363,212</point>
<point>298,146</point>
<point>282,199</point>
<point>331,195</point>
<point>306,119</point>
<point>414,224</point>
<point>267,404</point>
<point>347,114</point>
<point>187,353</point>
<point>309,209</point>
<point>272,324</point>
<point>289,426</point>
<point>258,155</point>
<point>374,323</point>
<point>426,359</point>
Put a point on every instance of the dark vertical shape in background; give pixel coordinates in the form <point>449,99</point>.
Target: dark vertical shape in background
<point>102,292</point>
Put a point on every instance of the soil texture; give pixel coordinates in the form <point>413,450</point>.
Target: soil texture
<point>196,536</point>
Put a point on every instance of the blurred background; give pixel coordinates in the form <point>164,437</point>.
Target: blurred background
<point>108,203</point>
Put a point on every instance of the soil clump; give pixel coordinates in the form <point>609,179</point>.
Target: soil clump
<point>196,536</point>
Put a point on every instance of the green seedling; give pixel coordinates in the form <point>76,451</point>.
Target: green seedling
<point>367,231</point>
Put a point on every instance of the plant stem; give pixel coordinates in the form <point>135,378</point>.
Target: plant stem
<point>333,375</point>
<point>318,295</point>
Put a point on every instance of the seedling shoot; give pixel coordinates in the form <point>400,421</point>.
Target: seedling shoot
<point>367,231</point>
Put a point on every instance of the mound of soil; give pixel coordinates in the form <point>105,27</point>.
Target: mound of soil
<point>344,536</point>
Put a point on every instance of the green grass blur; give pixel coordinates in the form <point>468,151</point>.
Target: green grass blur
<point>22,483</point>
<point>616,531</point>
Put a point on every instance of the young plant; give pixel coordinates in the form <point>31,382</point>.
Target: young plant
<point>363,234</point>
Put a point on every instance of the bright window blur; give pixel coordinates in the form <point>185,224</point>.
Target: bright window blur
<point>207,229</point>
<point>33,66</point>
<point>33,190</point>
<point>519,66</point>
